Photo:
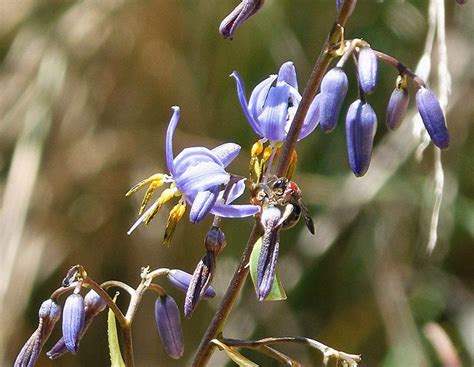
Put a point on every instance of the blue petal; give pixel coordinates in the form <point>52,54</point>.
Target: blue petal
<point>201,177</point>
<point>243,102</point>
<point>274,116</point>
<point>259,95</point>
<point>236,191</point>
<point>203,203</point>
<point>287,73</point>
<point>169,139</point>
<point>191,156</point>
<point>226,152</point>
<point>234,211</point>
<point>311,120</point>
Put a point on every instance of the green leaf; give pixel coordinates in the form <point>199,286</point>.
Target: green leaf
<point>277,293</point>
<point>116,359</point>
<point>234,355</point>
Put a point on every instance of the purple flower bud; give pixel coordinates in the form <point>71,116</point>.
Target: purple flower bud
<point>361,124</point>
<point>268,257</point>
<point>432,117</point>
<point>215,240</point>
<point>73,321</point>
<point>397,108</point>
<point>49,314</point>
<point>168,323</point>
<point>367,68</point>
<point>333,91</point>
<point>181,280</point>
<point>93,305</point>
<point>239,15</point>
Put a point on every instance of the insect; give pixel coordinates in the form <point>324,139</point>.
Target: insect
<point>285,194</point>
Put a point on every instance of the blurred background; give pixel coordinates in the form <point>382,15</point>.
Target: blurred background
<point>86,90</point>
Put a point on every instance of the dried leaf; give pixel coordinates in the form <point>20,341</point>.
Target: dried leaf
<point>234,355</point>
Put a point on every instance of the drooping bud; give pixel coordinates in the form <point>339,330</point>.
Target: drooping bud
<point>397,105</point>
<point>239,15</point>
<point>215,240</point>
<point>433,117</point>
<point>269,251</point>
<point>361,125</point>
<point>49,313</point>
<point>367,68</point>
<point>168,323</point>
<point>200,282</point>
<point>333,91</point>
<point>93,305</point>
<point>73,321</point>
<point>181,280</point>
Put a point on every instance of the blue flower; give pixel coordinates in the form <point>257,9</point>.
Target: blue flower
<point>198,177</point>
<point>273,103</point>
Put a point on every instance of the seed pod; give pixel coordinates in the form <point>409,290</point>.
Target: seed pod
<point>433,117</point>
<point>333,91</point>
<point>215,240</point>
<point>168,323</point>
<point>397,108</point>
<point>181,280</point>
<point>73,321</point>
<point>361,124</point>
<point>367,67</point>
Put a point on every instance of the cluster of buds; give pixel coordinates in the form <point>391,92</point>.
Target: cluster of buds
<point>361,119</point>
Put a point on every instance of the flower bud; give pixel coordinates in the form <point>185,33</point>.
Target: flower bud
<point>361,124</point>
<point>49,313</point>
<point>333,91</point>
<point>93,305</point>
<point>73,321</point>
<point>433,117</point>
<point>168,323</point>
<point>215,240</point>
<point>397,108</point>
<point>239,15</point>
<point>367,67</point>
<point>181,280</point>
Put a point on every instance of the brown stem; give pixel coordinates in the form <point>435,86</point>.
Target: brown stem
<point>402,69</point>
<point>127,345</point>
<point>319,69</point>
<point>206,348</point>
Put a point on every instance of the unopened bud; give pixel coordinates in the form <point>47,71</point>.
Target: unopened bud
<point>397,108</point>
<point>73,321</point>
<point>168,323</point>
<point>333,91</point>
<point>239,15</point>
<point>367,67</point>
<point>433,117</point>
<point>361,124</point>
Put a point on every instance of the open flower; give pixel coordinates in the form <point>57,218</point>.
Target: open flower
<point>198,177</point>
<point>273,104</point>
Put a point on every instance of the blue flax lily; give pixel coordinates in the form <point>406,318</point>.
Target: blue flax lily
<point>273,103</point>
<point>198,177</point>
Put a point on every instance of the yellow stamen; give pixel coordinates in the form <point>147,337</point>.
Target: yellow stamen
<point>292,165</point>
<point>157,179</point>
<point>165,196</point>
<point>173,218</point>
<point>267,153</point>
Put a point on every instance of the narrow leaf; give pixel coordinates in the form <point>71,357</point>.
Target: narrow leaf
<point>277,292</point>
<point>234,355</point>
<point>116,359</point>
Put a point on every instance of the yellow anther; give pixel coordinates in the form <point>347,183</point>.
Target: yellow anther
<point>267,153</point>
<point>292,165</point>
<point>156,180</point>
<point>402,81</point>
<point>165,196</point>
<point>278,144</point>
<point>257,149</point>
<point>173,218</point>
